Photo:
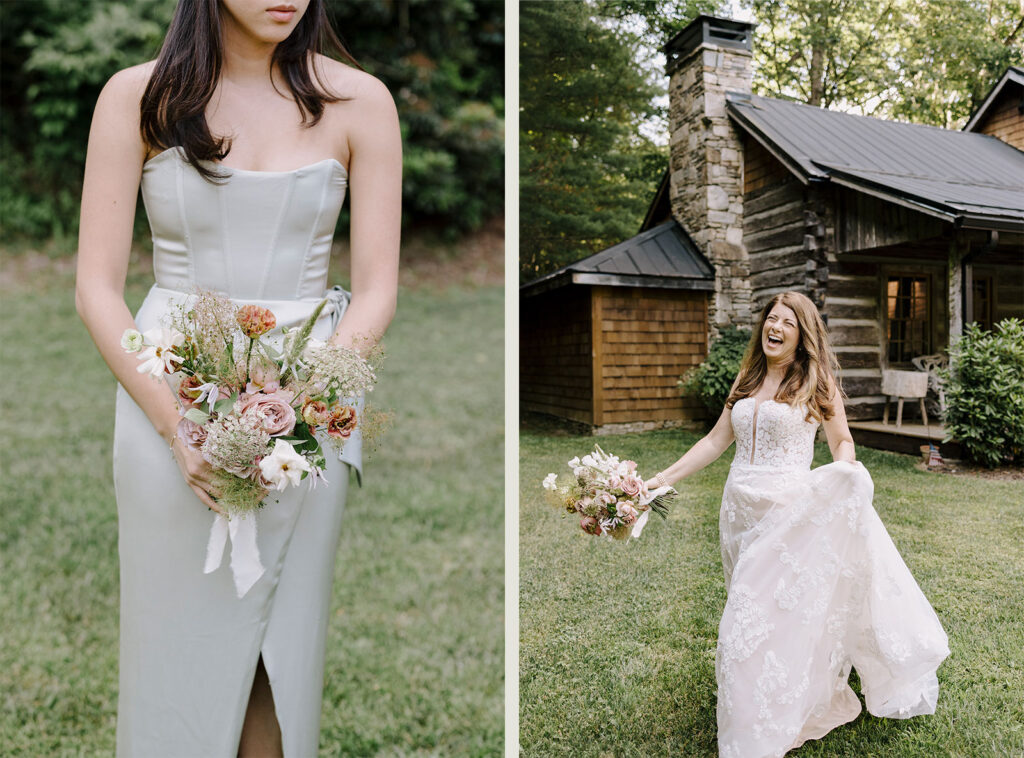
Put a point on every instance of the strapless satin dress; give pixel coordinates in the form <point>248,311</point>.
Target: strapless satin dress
<point>189,645</point>
<point>815,587</point>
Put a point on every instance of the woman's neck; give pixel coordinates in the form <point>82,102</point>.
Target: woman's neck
<point>246,61</point>
<point>775,371</point>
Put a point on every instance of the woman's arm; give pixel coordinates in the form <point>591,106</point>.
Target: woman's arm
<point>375,185</point>
<point>837,431</point>
<point>708,449</point>
<point>113,169</point>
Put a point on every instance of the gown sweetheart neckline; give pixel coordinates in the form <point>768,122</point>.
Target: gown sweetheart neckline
<point>178,151</point>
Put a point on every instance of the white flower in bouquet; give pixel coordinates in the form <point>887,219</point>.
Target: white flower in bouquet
<point>132,341</point>
<point>549,482</point>
<point>284,466</point>
<point>159,358</point>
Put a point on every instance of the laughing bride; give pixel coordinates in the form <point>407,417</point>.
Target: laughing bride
<point>815,585</point>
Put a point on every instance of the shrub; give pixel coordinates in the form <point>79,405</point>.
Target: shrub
<point>985,393</point>
<point>711,380</point>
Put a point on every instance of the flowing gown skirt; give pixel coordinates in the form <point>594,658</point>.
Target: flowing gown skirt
<point>189,644</point>
<point>815,586</point>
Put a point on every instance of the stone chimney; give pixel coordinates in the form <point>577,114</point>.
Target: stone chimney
<point>707,59</point>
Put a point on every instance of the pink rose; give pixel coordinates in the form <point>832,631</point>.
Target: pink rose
<point>626,513</point>
<point>604,498</point>
<point>274,411</point>
<point>630,466</point>
<point>631,486</point>
<point>614,482</point>
<point>590,525</point>
<point>191,433</point>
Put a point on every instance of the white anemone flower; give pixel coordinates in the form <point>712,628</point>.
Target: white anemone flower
<point>159,357</point>
<point>549,482</point>
<point>284,466</point>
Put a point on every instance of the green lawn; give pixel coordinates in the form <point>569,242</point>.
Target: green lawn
<point>617,640</point>
<point>415,652</point>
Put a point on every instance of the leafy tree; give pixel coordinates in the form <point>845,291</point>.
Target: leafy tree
<point>442,61</point>
<point>953,52</point>
<point>585,177</point>
<point>927,61</point>
<point>825,52</point>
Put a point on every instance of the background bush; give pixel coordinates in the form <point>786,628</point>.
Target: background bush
<point>443,62</point>
<point>711,380</point>
<point>985,393</point>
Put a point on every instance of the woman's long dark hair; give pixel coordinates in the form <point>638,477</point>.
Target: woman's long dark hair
<point>173,109</point>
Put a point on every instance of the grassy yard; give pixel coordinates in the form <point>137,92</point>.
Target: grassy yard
<point>617,641</point>
<point>415,652</point>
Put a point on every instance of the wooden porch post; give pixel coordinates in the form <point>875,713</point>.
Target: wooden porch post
<point>958,249</point>
<point>597,354</point>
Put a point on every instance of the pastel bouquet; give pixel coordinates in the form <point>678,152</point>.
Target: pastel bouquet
<point>253,403</point>
<point>609,495</point>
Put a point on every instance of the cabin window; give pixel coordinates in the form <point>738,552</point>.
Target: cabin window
<point>908,306</point>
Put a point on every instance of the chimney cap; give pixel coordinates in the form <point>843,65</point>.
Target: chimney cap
<point>707,30</point>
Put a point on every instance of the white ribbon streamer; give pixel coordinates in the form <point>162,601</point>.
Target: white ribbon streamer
<point>246,567</point>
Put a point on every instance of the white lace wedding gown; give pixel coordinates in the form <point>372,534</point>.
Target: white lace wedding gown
<point>815,586</point>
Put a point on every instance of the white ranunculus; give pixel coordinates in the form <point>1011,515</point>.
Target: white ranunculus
<point>132,341</point>
<point>159,357</point>
<point>284,466</point>
<point>549,482</point>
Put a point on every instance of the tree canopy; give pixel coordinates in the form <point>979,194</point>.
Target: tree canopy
<point>443,62</point>
<point>586,171</point>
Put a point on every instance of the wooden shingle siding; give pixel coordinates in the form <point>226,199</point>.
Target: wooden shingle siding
<point>555,369</point>
<point>760,168</point>
<point>648,338</point>
<point>1006,121</point>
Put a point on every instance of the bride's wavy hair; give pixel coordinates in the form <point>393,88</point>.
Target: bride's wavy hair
<point>812,374</point>
<point>173,108</point>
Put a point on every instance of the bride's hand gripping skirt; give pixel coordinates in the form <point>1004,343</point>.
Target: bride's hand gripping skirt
<point>815,586</point>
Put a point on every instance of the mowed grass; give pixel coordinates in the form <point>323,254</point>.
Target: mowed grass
<point>415,648</point>
<point>617,640</point>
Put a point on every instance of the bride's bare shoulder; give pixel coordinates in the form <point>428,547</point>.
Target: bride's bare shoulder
<point>128,84</point>
<point>355,86</point>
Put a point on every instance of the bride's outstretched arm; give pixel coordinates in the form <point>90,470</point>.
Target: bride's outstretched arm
<point>708,449</point>
<point>837,431</point>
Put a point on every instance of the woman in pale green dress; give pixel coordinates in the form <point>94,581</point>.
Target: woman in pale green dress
<point>244,139</point>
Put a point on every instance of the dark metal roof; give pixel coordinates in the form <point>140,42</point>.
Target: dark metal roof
<point>664,256</point>
<point>972,180</point>
<point>1012,76</point>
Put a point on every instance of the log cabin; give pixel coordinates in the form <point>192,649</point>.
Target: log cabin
<point>900,233</point>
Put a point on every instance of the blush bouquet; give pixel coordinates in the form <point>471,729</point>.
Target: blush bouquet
<point>252,402</point>
<point>609,495</point>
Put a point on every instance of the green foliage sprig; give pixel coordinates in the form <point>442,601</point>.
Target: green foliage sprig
<point>712,380</point>
<point>985,393</point>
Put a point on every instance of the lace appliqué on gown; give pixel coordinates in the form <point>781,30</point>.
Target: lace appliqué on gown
<point>815,587</point>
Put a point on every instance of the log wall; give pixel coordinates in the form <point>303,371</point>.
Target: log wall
<point>555,366</point>
<point>644,339</point>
